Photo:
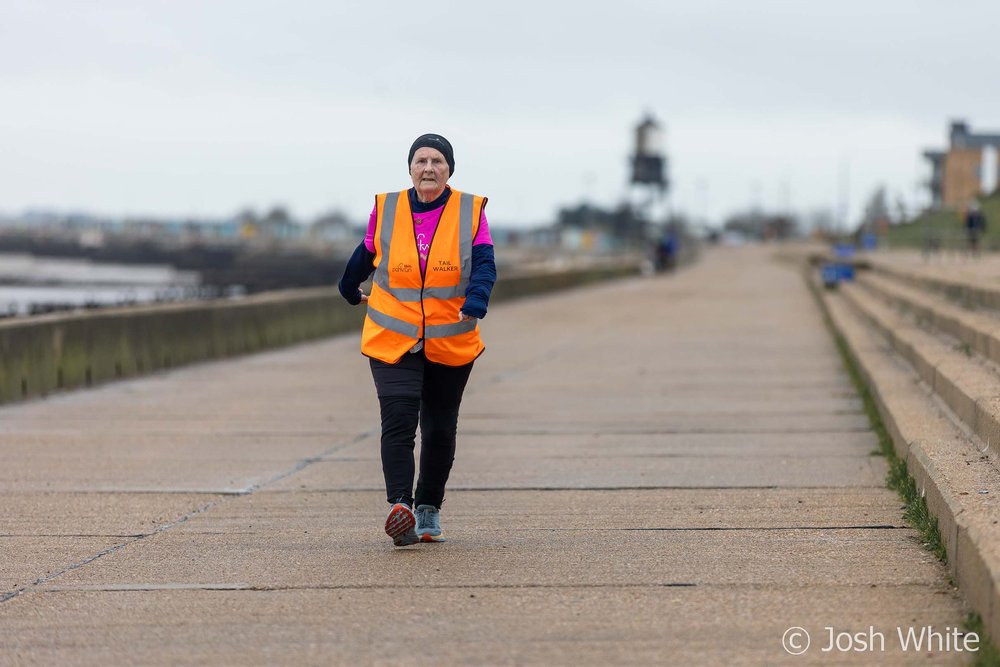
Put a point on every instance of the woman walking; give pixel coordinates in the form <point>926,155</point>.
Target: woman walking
<point>432,255</point>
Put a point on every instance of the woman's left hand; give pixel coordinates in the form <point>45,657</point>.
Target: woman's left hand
<point>462,316</point>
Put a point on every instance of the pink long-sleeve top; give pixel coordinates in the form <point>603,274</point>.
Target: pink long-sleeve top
<point>424,225</point>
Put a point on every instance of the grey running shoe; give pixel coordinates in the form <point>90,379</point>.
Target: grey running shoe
<point>429,524</point>
<point>399,525</point>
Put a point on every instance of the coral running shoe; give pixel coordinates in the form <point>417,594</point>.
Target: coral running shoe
<point>429,524</point>
<point>400,524</point>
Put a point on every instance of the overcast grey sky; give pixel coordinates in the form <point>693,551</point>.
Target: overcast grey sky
<point>179,107</point>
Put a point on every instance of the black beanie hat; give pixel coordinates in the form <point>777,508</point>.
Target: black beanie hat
<point>437,142</point>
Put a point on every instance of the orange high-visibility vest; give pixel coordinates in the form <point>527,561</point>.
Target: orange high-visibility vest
<point>404,306</point>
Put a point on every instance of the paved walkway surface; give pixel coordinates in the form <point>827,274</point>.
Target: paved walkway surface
<point>655,471</point>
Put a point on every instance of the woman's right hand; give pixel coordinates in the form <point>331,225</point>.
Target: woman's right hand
<point>364,297</point>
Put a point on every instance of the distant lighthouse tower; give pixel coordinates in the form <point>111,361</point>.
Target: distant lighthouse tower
<point>649,182</point>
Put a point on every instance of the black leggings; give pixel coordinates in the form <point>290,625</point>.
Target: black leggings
<point>410,391</point>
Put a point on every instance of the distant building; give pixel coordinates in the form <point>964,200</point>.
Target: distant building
<point>966,170</point>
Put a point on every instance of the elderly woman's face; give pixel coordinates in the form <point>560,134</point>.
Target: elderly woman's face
<point>429,172</point>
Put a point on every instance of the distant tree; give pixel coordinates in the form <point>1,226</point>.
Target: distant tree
<point>277,215</point>
<point>902,212</point>
<point>621,222</point>
<point>581,216</point>
<point>821,221</point>
<point>331,226</point>
<point>876,210</point>
<point>334,217</point>
<point>766,226</point>
<point>625,224</point>
<point>247,216</point>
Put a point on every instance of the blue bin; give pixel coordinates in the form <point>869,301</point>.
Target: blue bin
<point>833,273</point>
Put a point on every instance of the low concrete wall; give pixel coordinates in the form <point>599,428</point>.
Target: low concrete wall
<point>39,355</point>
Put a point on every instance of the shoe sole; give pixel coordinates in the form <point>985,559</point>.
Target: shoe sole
<point>405,540</point>
<point>426,537</point>
<point>400,526</point>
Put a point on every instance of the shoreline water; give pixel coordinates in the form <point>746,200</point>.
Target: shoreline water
<point>32,285</point>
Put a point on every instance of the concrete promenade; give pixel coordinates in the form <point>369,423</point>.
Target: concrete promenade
<point>652,471</point>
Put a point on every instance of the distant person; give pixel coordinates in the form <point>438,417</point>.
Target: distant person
<point>975,227</point>
<point>666,251</point>
<point>432,255</point>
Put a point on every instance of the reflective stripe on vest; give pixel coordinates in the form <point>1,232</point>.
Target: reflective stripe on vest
<point>413,295</point>
<point>393,323</point>
<point>445,330</point>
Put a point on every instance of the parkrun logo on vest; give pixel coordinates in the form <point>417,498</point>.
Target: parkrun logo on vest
<point>444,266</point>
<point>402,268</point>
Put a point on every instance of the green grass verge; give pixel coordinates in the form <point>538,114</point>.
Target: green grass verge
<point>915,512</point>
<point>898,478</point>
<point>946,228</point>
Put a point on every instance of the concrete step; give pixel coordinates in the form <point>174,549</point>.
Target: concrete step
<point>960,287</point>
<point>978,330</point>
<point>960,483</point>
<point>966,384</point>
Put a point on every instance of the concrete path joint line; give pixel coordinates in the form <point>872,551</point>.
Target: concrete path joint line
<point>301,465</point>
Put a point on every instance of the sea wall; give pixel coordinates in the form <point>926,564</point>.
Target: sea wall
<point>42,354</point>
